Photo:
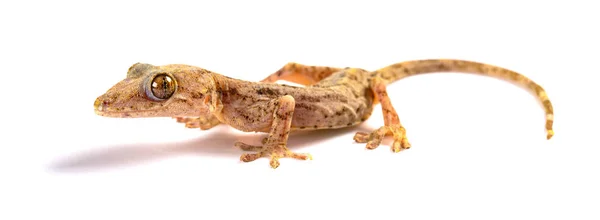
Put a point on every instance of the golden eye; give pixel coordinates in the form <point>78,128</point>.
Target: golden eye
<point>162,86</point>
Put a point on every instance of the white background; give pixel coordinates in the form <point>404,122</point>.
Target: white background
<point>479,148</point>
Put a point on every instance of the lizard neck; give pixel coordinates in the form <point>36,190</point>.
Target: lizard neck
<point>223,85</point>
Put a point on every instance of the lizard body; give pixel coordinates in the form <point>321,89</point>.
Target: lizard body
<point>330,98</point>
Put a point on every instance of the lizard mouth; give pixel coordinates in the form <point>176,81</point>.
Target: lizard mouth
<point>121,113</point>
<point>103,107</point>
<point>112,114</point>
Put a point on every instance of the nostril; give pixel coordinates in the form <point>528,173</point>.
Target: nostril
<point>100,104</point>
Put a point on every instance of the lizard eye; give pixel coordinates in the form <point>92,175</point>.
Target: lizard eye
<point>162,87</point>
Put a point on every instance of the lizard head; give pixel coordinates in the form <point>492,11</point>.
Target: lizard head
<point>158,91</point>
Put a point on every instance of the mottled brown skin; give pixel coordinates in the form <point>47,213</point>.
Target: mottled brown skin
<point>330,98</point>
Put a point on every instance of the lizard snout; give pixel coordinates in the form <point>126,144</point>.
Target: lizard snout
<point>103,103</point>
<point>99,104</point>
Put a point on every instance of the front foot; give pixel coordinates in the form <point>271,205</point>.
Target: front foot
<point>202,122</point>
<point>374,138</point>
<point>273,150</point>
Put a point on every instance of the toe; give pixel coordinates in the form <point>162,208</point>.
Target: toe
<point>372,144</point>
<point>298,156</point>
<point>274,162</point>
<point>361,137</point>
<point>248,147</point>
<point>250,157</point>
<point>396,146</point>
<point>405,143</point>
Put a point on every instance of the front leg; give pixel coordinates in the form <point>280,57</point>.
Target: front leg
<point>274,145</point>
<point>391,126</point>
<point>202,122</point>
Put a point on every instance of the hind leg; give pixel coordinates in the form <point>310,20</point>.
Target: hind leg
<point>391,126</point>
<point>301,74</point>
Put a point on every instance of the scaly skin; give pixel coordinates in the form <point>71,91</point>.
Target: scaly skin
<point>330,98</point>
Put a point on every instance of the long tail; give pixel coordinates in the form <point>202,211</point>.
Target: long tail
<point>401,70</point>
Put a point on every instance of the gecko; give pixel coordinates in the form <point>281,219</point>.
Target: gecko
<point>324,98</point>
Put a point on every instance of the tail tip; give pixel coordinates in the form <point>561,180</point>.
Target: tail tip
<point>550,133</point>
